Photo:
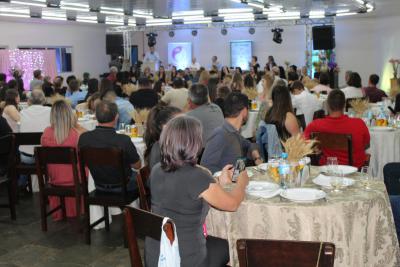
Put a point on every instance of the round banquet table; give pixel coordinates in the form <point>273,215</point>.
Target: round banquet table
<point>384,148</point>
<point>358,222</point>
<point>248,130</point>
<point>96,212</point>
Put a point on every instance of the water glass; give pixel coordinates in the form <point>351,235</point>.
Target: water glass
<point>121,126</point>
<point>127,129</point>
<point>365,178</point>
<point>332,165</point>
<point>337,181</point>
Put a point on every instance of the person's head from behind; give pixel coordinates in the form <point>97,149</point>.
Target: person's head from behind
<point>109,95</point>
<point>248,81</point>
<point>11,97</point>
<point>324,78</point>
<point>354,80</point>
<point>107,113</point>
<point>37,74</point>
<point>62,120</point>
<point>180,143</point>
<point>347,75</point>
<point>113,70</point>
<point>223,92</point>
<point>93,85</point>
<point>86,76</point>
<point>144,83</point>
<point>296,88</point>
<point>254,59</point>
<point>281,104</point>
<point>204,77</point>
<point>36,97</point>
<point>3,77</point>
<point>105,85</point>
<point>236,106</point>
<point>214,58</point>
<point>292,76</point>
<point>336,101</point>
<point>74,85</point>
<point>373,80</point>
<point>57,82</point>
<point>158,117</point>
<point>271,59</point>
<point>198,95</point>
<point>293,68</point>
<point>227,80</point>
<point>276,70</point>
<point>70,78</point>
<point>92,101</point>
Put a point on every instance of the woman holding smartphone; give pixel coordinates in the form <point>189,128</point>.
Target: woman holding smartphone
<point>183,191</point>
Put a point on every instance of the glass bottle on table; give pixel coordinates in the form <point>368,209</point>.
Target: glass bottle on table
<point>365,177</point>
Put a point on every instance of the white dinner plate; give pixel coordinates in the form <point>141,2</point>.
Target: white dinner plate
<point>83,119</point>
<point>345,169</point>
<point>381,128</point>
<point>263,189</point>
<point>303,194</point>
<point>263,166</point>
<point>325,181</point>
<point>218,174</point>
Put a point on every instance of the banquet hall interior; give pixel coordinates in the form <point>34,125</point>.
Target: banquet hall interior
<point>200,133</point>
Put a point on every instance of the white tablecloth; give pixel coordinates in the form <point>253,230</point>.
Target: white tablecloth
<point>96,212</point>
<point>384,148</point>
<point>248,130</point>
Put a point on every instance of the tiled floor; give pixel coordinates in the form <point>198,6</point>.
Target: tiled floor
<point>22,243</point>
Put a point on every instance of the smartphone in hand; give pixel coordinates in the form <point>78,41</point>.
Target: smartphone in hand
<point>239,167</point>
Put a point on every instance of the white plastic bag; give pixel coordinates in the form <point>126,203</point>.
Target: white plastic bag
<point>169,254</point>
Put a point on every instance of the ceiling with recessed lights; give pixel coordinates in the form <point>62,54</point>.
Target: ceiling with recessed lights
<point>146,13</point>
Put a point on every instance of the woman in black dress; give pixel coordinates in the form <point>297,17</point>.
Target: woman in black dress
<point>183,191</point>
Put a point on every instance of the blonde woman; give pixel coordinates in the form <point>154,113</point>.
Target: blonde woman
<point>204,77</point>
<point>63,132</point>
<point>249,87</point>
<point>10,111</point>
<point>265,97</point>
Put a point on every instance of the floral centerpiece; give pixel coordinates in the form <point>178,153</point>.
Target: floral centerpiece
<point>359,106</point>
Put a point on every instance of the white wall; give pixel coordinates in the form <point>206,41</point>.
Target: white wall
<point>363,44</point>
<point>210,42</point>
<point>88,42</point>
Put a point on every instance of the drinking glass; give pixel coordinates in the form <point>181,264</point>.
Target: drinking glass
<point>121,126</point>
<point>332,165</point>
<point>365,177</point>
<point>337,181</point>
<point>127,129</point>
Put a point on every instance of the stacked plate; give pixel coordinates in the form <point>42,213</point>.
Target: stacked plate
<point>325,181</point>
<point>303,194</point>
<point>263,189</point>
<point>346,170</point>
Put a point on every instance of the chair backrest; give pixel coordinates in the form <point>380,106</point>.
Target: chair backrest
<point>391,178</point>
<point>55,155</point>
<point>100,157</point>
<point>144,192</point>
<point>336,142</point>
<point>7,150</point>
<point>31,138</point>
<point>140,223</point>
<point>319,114</point>
<point>282,253</point>
<point>302,121</point>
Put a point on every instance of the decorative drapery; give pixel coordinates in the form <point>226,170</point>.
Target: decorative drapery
<point>26,61</point>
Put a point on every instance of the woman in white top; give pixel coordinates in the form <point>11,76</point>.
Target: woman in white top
<point>353,90</point>
<point>10,112</point>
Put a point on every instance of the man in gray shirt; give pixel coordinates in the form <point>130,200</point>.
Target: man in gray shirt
<point>226,145</point>
<point>209,114</point>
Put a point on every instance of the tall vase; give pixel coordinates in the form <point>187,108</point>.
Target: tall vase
<point>394,86</point>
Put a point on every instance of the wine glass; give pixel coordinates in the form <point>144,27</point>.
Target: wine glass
<point>365,177</point>
<point>332,165</point>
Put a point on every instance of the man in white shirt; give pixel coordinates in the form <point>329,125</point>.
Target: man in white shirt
<point>152,57</point>
<point>35,118</point>
<point>195,65</point>
<point>178,96</point>
<point>304,102</point>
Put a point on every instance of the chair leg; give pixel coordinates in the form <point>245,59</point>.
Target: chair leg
<point>43,212</point>
<point>106,218</point>
<point>87,222</point>
<point>11,201</point>
<point>30,184</point>
<point>64,212</point>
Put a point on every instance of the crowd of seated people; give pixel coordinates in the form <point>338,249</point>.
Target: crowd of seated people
<point>192,131</point>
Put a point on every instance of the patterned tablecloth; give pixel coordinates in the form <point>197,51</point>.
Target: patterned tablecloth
<point>357,221</point>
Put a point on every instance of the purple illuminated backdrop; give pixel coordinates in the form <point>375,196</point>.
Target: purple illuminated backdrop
<point>27,61</point>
